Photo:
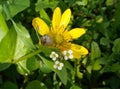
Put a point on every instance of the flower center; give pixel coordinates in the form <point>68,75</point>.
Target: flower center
<point>54,55</point>
<point>67,54</point>
<point>58,64</point>
<point>59,39</point>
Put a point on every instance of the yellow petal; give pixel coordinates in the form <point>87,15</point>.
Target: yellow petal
<point>40,25</point>
<point>78,50</point>
<point>77,32</point>
<point>56,18</point>
<point>65,19</point>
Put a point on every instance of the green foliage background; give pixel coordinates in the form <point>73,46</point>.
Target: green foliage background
<point>24,65</point>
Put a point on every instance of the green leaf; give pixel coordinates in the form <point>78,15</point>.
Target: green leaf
<point>23,35</point>
<point>62,74</point>
<point>89,68</point>
<point>109,2</point>
<point>6,10</point>
<point>32,63</point>
<point>24,45</point>
<point>17,6</point>
<point>7,46</point>
<point>99,19</point>
<point>9,85</point>
<point>22,68</point>
<point>4,66</point>
<point>45,4</point>
<point>102,28</point>
<point>79,74</point>
<point>115,67</point>
<point>116,15</point>
<point>104,41</point>
<point>95,51</point>
<point>44,68</point>
<point>21,49</point>
<point>3,27</point>
<point>36,85</point>
<point>116,46</point>
<point>75,87</point>
<point>97,65</point>
<point>68,65</point>
<point>83,2</point>
<point>44,15</point>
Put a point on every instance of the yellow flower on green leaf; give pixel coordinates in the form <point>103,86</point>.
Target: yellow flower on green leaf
<point>58,35</point>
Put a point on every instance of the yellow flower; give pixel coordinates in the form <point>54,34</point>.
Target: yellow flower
<point>57,35</point>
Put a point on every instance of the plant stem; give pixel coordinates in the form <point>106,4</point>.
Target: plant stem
<point>26,56</point>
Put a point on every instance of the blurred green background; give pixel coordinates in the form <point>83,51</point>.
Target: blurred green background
<point>100,69</point>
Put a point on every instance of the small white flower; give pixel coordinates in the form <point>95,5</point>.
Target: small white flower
<point>58,65</point>
<point>54,56</point>
<point>68,54</point>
